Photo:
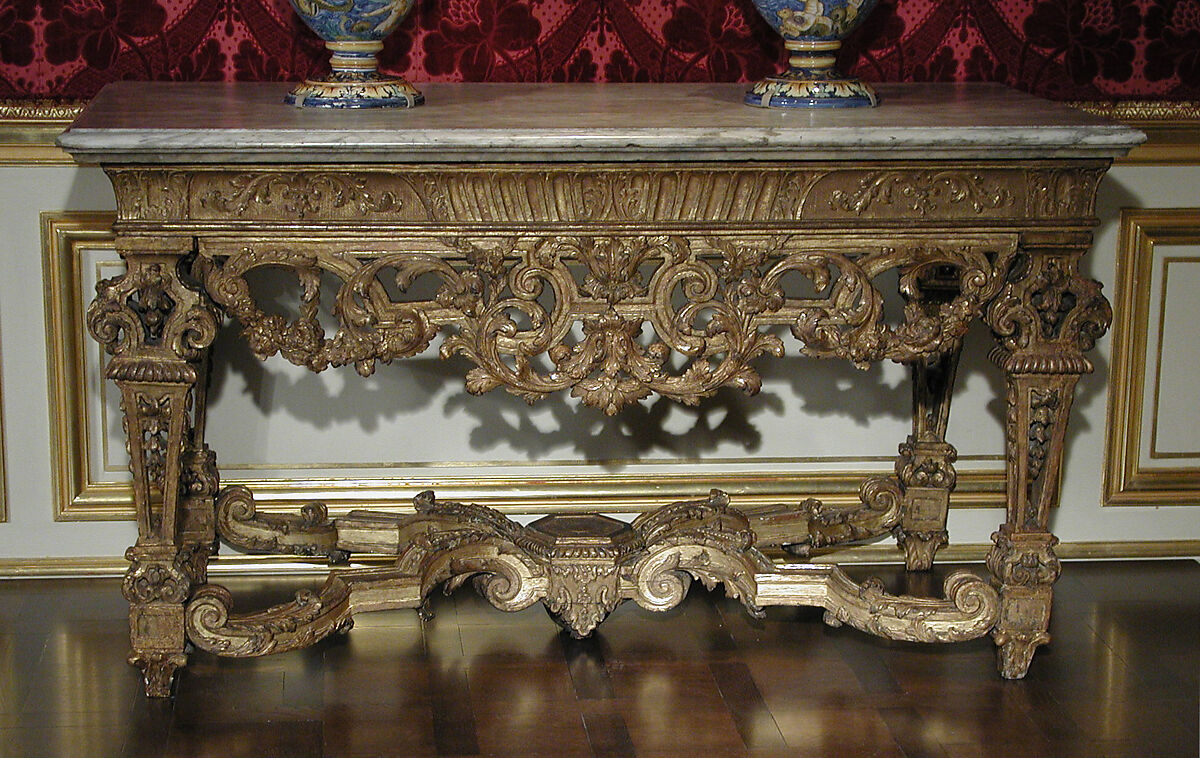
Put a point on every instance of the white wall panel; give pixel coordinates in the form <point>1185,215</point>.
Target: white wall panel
<point>275,421</point>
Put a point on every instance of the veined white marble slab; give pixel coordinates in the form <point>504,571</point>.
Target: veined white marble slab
<point>162,122</point>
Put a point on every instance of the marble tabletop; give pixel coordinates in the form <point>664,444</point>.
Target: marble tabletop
<point>197,123</point>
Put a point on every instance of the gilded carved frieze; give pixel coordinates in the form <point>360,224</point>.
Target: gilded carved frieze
<point>509,304</point>
<point>614,194</point>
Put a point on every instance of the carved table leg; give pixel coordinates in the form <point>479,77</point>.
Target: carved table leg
<point>158,329</point>
<point>925,468</point>
<point>1045,319</point>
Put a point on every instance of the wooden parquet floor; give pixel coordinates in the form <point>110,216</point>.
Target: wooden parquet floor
<point>1121,678</point>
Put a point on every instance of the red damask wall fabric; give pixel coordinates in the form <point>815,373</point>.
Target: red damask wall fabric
<point>1062,49</point>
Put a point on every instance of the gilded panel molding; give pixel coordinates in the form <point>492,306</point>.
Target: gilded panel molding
<point>79,498</point>
<point>1126,480</point>
<point>28,129</point>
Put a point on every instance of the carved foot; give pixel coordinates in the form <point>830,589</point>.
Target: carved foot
<point>158,670</point>
<point>1026,568</point>
<point>1015,652</point>
<point>920,547</point>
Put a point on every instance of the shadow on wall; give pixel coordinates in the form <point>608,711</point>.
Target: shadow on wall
<point>425,392</point>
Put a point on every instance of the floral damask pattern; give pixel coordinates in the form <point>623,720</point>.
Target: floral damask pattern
<point>1063,49</point>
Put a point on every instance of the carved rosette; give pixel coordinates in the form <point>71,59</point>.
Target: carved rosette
<point>159,574</point>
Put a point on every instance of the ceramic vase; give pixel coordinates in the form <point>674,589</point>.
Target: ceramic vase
<point>812,32</point>
<point>354,31</point>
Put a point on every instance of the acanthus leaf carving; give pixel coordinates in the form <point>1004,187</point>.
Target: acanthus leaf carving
<point>298,194</point>
<point>924,192</point>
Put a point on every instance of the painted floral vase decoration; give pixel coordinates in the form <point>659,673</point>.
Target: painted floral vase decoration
<point>812,32</point>
<point>354,31</point>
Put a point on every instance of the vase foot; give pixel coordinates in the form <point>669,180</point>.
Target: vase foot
<point>355,91</point>
<point>811,92</point>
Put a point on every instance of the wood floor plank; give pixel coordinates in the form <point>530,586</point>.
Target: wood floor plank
<point>1121,678</point>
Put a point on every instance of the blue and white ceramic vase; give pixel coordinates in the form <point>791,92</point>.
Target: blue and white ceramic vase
<point>354,31</point>
<point>813,31</point>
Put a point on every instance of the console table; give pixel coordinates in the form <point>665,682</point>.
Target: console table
<point>614,241</point>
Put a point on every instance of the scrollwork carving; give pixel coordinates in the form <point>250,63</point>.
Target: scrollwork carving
<point>877,513</point>
<point>509,305</point>
<point>1047,316</point>
<point>212,626</point>
<point>298,194</point>
<point>926,464</point>
<point>308,533</point>
<point>150,307</point>
<point>968,612</point>
<point>581,567</point>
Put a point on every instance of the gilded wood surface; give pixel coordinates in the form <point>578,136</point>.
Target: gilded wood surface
<point>580,567</point>
<point>613,283</point>
<point>669,194</point>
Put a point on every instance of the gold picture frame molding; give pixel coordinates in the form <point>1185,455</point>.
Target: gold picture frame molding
<point>77,498</point>
<point>1126,480</point>
<point>28,129</point>
<point>3,447</point>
